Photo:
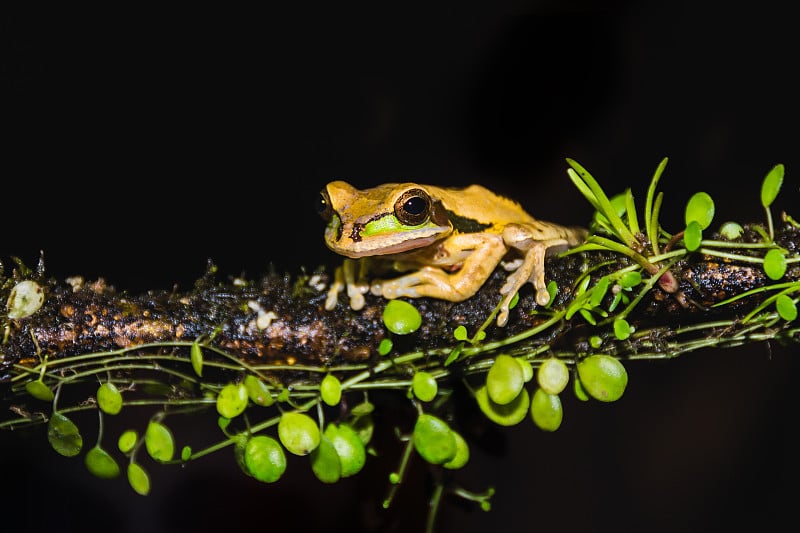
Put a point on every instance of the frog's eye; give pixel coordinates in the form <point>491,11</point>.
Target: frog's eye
<point>324,207</point>
<point>413,207</point>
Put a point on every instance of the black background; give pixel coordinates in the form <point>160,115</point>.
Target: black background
<point>139,143</point>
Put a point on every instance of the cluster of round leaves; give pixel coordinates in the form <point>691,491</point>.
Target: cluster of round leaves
<point>505,400</point>
<point>337,452</point>
<point>65,438</point>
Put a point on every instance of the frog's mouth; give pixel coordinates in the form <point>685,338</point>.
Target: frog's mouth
<point>387,249</point>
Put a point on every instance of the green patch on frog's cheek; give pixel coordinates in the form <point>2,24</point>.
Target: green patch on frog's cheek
<point>389,224</point>
<point>335,227</point>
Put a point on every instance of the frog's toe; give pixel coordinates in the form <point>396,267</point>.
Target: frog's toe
<point>502,316</point>
<point>510,266</point>
<point>356,301</point>
<point>542,297</point>
<point>333,296</point>
<point>331,300</point>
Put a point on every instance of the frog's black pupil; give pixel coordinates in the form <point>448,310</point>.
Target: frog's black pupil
<point>415,205</point>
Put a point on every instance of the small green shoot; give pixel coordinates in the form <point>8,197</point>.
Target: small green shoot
<point>769,191</point>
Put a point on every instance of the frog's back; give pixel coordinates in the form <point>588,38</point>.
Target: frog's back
<point>486,207</point>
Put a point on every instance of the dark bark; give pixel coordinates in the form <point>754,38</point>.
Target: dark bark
<point>93,317</point>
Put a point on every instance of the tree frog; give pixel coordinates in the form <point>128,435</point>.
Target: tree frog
<point>446,241</point>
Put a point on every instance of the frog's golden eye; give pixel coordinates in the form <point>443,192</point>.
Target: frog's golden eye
<point>413,207</point>
<point>324,207</point>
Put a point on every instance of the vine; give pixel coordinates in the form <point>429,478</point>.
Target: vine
<point>599,315</point>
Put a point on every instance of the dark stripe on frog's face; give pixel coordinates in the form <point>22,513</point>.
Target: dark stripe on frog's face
<point>465,224</point>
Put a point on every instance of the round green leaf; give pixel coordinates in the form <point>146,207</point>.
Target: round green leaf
<point>298,433</point>
<point>462,453</point>
<point>508,414</point>
<point>433,439</point>
<point>630,279</point>
<point>731,230</point>
<point>196,357</point>
<point>700,208</point>
<point>775,264</point>
<point>622,330</point>
<point>424,386</point>
<point>232,400</point>
<point>25,299</point>
<point>39,390</point>
<point>101,464</point>
<point>546,410</point>
<point>127,441</point>
<point>460,333</point>
<point>264,458</point>
<point>364,408</point>
<point>786,307</point>
<point>223,423</point>
<point>692,236</point>
<point>186,453</point>
<point>331,389</point>
<point>527,369</point>
<point>349,447</point>
<point>771,185</point>
<point>364,426</point>
<point>258,391</point>
<point>385,346</point>
<point>401,317</point>
<point>64,436</point>
<point>138,479</point>
<point>577,388</point>
<point>109,399</point>
<point>325,462</point>
<point>505,379</point>
<point>553,375</point>
<point>603,377</point>
<point>159,442</point>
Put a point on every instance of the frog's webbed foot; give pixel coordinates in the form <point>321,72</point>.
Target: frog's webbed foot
<point>530,270</point>
<point>351,275</point>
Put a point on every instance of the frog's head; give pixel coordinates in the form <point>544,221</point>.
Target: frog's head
<point>388,219</point>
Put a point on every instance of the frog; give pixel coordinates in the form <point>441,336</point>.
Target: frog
<point>437,242</point>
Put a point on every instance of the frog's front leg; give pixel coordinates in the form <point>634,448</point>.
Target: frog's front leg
<point>483,252</point>
<point>351,275</point>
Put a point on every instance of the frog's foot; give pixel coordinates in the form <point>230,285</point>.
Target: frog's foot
<point>531,270</point>
<point>351,276</point>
